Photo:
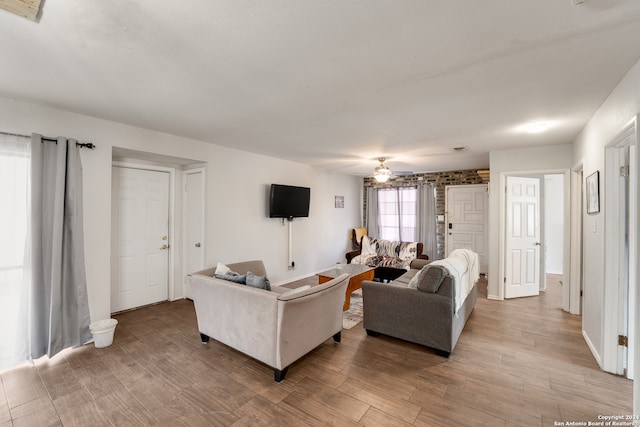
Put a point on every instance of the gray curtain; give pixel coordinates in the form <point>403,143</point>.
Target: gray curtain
<point>59,303</point>
<point>371,219</point>
<point>427,219</point>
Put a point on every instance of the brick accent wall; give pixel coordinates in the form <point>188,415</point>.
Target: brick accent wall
<point>439,180</point>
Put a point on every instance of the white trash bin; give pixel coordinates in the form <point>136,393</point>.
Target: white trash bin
<point>103,331</point>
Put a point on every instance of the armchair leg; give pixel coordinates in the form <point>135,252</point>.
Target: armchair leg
<point>372,333</point>
<point>337,337</point>
<point>443,353</point>
<point>204,338</point>
<point>279,374</point>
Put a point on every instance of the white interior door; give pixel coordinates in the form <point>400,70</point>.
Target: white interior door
<point>466,220</point>
<point>194,224</point>
<point>522,275</point>
<point>139,238</point>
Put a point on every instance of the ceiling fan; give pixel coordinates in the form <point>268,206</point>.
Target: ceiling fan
<point>383,173</point>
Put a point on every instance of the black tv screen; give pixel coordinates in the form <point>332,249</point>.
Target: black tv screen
<point>288,201</point>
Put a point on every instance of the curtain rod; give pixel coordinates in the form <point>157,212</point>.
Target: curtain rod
<point>89,145</point>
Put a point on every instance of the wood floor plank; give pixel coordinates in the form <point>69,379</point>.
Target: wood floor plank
<point>385,403</point>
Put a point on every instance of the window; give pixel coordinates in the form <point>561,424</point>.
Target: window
<point>14,193</point>
<point>397,213</point>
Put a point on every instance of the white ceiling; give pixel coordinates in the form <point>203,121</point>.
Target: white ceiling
<point>333,83</point>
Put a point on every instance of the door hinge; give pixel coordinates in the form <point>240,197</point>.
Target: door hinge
<point>505,280</point>
<point>624,171</point>
<point>623,340</point>
<point>580,293</point>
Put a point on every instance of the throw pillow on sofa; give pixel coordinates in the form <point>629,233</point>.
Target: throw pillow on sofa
<point>232,276</point>
<point>260,282</point>
<point>429,278</point>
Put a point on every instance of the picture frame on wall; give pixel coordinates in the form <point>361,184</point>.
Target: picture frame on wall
<point>339,202</point>
<point>593,193</point>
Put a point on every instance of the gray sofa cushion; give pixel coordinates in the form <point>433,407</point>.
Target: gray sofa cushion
<point>431,278</point>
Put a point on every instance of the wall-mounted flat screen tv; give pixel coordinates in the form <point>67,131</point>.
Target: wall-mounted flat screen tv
<point>288,201</point>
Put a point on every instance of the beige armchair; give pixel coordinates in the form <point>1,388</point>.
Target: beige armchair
<point>276,327</point>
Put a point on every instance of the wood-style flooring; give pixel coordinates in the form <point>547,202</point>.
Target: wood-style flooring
<point>518,363</point>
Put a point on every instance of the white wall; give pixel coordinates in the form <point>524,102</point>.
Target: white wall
<point>237,227</point>
<point>554,158</point>
<point>554,222</point>
<point>608,121</point>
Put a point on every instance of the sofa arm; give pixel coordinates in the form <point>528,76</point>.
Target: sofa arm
<point>351,255</point>
<point>418,263</point>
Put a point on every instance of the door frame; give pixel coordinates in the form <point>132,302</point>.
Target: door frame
<point>573,303</point>
<point>613,354</point>
<point>172,186</point>
<point>502,231</point>
<point>186,172</point>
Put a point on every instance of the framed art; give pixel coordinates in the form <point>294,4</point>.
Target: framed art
<point>593,193</point>
<point>340,202</point>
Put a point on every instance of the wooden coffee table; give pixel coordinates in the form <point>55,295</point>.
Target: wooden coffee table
<point>357,272</point>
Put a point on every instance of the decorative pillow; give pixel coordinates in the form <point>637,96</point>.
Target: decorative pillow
<point>413,283</point>
<point>408,251</point>
<point>232,276</point>
<point>260,282</point>
<point>296,290</point>
<point>369,246</point>
<point>222,269</point>
<point>431,278</point>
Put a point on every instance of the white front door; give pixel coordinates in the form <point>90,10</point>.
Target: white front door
<point>139,238</point>
<point>522,275</point>
<point>194,224</point>
<point>466,220</point>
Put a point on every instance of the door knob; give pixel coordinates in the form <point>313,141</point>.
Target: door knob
<point>164,247</point>
<point>538,244</point>
<point>197,245</point>
<point>164,237</point>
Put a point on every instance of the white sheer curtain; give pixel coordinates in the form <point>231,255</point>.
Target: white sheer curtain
<point>15,154</point>
<point>427,220</point>
<point>397,213</point>
<point>43,294</point>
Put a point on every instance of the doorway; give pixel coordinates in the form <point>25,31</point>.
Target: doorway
<point>621,248</point>
<point>531,202</point>
<point>139,237</point>
<point>194,221</point>
<point>467,212</point>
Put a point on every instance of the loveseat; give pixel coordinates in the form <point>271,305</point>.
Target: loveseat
<point>391,259</point>
<point>276,326</point>
<point>428,305</point>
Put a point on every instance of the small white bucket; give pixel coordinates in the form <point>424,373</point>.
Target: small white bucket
<point>103,331</point>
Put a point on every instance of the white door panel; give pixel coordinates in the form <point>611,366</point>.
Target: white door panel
<point>194,224</point>
<point>140,230</point>
<point>466,220</point>
<point>522,276</point>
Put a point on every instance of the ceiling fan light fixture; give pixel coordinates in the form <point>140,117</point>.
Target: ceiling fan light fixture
<point>381,178</point>
<point>383,173</point>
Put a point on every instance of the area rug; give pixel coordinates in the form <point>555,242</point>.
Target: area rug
<point>353,316</point>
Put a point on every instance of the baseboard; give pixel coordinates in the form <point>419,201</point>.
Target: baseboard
<point>592,348</point>
<point>494,297</point>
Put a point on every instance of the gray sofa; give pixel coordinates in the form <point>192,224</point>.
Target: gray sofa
<point>275,326</point>
<point>427,317</point>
